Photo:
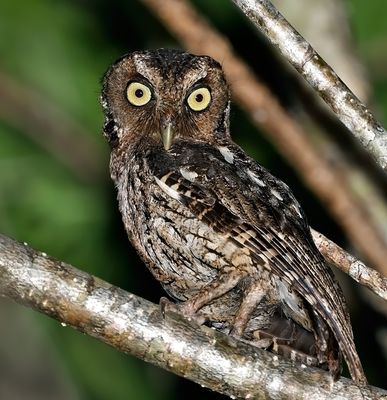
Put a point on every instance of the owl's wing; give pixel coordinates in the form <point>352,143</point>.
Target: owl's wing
<point>242,201</point>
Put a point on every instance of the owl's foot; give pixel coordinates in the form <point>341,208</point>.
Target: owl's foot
<point>251,299</point>
<point>224,283</point>
<point>186,309</point>
<point>165,305</point>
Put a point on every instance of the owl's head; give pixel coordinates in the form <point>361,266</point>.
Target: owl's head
<point>163,95</point>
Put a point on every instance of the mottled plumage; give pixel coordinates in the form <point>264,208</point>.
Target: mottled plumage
<point>225,238</point>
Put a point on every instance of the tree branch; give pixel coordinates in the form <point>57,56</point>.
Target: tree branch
<point>347,263</point>
<point>350,110</point>
<point>135,326</point>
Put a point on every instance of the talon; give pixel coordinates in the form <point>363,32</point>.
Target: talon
<point>200,319</point>
<point>164,304</point>
<point>236,332</point>
<point>185,309</point>
<point>189,311</point>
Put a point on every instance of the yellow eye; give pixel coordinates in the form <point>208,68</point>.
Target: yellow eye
<point>138,94</point>
<point>199,99</point>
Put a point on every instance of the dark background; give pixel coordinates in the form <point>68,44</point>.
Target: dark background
<point>56,193</point>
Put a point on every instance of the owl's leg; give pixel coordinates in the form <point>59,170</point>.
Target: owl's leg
<point>212,291</point>
<point>250,301</point>
<point>206,295</point>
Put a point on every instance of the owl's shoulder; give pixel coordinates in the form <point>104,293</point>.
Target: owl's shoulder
<point>228,175</point>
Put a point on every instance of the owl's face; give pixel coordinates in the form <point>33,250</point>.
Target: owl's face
<point>163,95</point>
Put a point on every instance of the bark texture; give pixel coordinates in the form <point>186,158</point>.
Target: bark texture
<point>135,326</point>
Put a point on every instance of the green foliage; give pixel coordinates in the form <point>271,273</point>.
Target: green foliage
<point>370,31</point>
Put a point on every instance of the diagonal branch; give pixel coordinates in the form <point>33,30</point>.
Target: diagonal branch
<point>135,326</point>
<point>350,110</point>
<point>353,267</point>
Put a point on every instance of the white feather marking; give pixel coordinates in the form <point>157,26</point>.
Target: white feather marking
<point>287,297</point>
<point>269,254</point>
<point>169,191</point>
<point>189,175</point>
<point>276,194</point>
<point>103,102</point>
<point>227,154</point>
<point>166,176</point>
<point>211,257</point>
<point>297,209</point>
<point>255,178</point>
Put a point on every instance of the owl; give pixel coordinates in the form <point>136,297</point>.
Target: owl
<point>226,239</point>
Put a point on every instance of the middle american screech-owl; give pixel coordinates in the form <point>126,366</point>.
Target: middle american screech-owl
<point>227,240</point>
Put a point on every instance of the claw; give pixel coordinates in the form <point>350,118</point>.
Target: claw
<point>185,309</point>
<point>164,305</point>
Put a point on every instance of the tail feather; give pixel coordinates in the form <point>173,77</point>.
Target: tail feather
<point>346,344</point>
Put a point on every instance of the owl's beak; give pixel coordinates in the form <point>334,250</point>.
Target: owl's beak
<point>167,135</point>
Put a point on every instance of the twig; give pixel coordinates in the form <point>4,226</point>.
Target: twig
<point>350,110</point>
<point>356,269</point>
<point>135,326</point>
<point>198,36</point>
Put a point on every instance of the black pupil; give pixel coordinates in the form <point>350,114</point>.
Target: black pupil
<point>199,98</point>
<point>139,93</point>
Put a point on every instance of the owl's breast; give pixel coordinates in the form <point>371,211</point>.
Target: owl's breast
<point>166,233</point>
<point>186,249</point>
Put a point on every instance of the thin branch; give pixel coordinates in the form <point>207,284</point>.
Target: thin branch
<point>356,269</point>
<point>135,326</point>
<point>195,33</point>
<point>350,110</point>
<point>346,155</point>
